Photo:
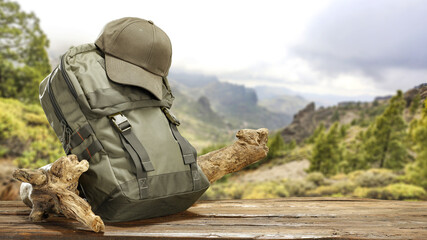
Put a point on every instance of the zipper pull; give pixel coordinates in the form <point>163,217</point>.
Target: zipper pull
<point>66,137</point>
<point>69,132</point>
<point>62,138</point>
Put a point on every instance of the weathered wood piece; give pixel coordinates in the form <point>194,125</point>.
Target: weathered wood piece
<point>286,218</point>
<point>54,189</point>
<point>250,147</point>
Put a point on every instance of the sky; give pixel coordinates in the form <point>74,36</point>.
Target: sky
<point>348,50</point>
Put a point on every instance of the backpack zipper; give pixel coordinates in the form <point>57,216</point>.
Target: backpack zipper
<point>66,78</point>
<point>66,129</point>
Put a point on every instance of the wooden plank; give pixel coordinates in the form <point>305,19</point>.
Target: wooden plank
<point>287,218</point>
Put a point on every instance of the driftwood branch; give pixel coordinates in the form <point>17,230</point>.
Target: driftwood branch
<point>53,188</point>
<point>249,148</point>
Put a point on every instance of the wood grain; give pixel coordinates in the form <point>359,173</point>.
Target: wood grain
<point>53,189</point>
<point>287,218</point>
<point>250,147</point>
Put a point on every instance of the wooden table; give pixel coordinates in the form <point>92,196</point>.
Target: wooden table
<point>287,218</point>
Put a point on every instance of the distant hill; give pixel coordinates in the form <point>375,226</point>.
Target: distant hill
<point>272,92</point>
<point>288,104</point>
<point>192,80</point>
<point>349,112</point>
<point>199,123</point>
<point>236,104</point>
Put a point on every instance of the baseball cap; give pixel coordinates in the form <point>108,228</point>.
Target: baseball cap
<point>137,53</point>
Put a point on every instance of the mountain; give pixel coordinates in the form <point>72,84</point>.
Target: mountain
<point>192,80</point>
<point>199,123</point>
<point>289,104</point>
<point>272,92</point>
<point>350,112</point>
<point>236,104</point>
<point>280,99</point>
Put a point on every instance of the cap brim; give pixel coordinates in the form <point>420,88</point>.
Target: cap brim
<point>126,73</point>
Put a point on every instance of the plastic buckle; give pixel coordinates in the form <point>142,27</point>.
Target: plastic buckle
<point>172,118</point>
<point>120,121</point>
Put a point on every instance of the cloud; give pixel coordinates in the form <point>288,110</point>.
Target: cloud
<point>351,49</point>
<point>299,76</point>
<point>368,36</point>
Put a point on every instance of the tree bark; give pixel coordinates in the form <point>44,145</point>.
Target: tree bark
<point>249,148</point>
<point>53,188</point>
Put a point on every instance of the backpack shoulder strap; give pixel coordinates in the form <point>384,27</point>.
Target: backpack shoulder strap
<point>189,153</point>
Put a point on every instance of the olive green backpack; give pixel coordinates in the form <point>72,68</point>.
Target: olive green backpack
<point>140,165</point>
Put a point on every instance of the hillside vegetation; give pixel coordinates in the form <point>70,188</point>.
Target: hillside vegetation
<point>374,150</point>
<point>26,136</point>
<point>236,104</point>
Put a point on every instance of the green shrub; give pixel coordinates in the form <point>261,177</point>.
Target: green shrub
<point>338,188</point>
<point>26,135</point>
<point>271,189</point>
<point>276,148</point>
<point>317,178</point>
<point>374,177</point>
<point>215,192</point>
<point>339,177</point>
<point>397,191</point>
<point>414,174</point>
<point>345,187</point>
<point>402,191</point>
<point>10,126</point>
<point>255,190</point>
<point>365,192</point>
<point>234,191</point>
<point>298,188</point>
<point>361,192</point>
<point>224,190</point>
<point>323,191</point>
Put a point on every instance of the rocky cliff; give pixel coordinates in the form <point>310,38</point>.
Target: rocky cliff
<point>306,120</point>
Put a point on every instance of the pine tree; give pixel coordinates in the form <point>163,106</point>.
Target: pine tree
<point>419,137</point>
<point>291,145</point>
<point>343,130</point>
<point>354,156</point>
<point>327,152</point>
<point>335,116</point>
<point>23,56</point>
<point>415,104</point>
<point>384,138</point>
<point>319,129</point>
<point>275,146</point>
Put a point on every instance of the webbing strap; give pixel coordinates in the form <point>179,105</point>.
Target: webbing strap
<point>141,175</point>
<point>90,151</point>
<point>197,185</point>
<point>80,135</point>
<point>189,153</point>
<point>136,145</point>
<point>136,151</point>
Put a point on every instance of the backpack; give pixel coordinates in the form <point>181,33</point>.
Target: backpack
<point>140,165</point>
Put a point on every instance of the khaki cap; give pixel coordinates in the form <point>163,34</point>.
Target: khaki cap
<point>137,53</point>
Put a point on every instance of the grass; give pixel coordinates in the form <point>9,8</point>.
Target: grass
<point>26,136</point>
